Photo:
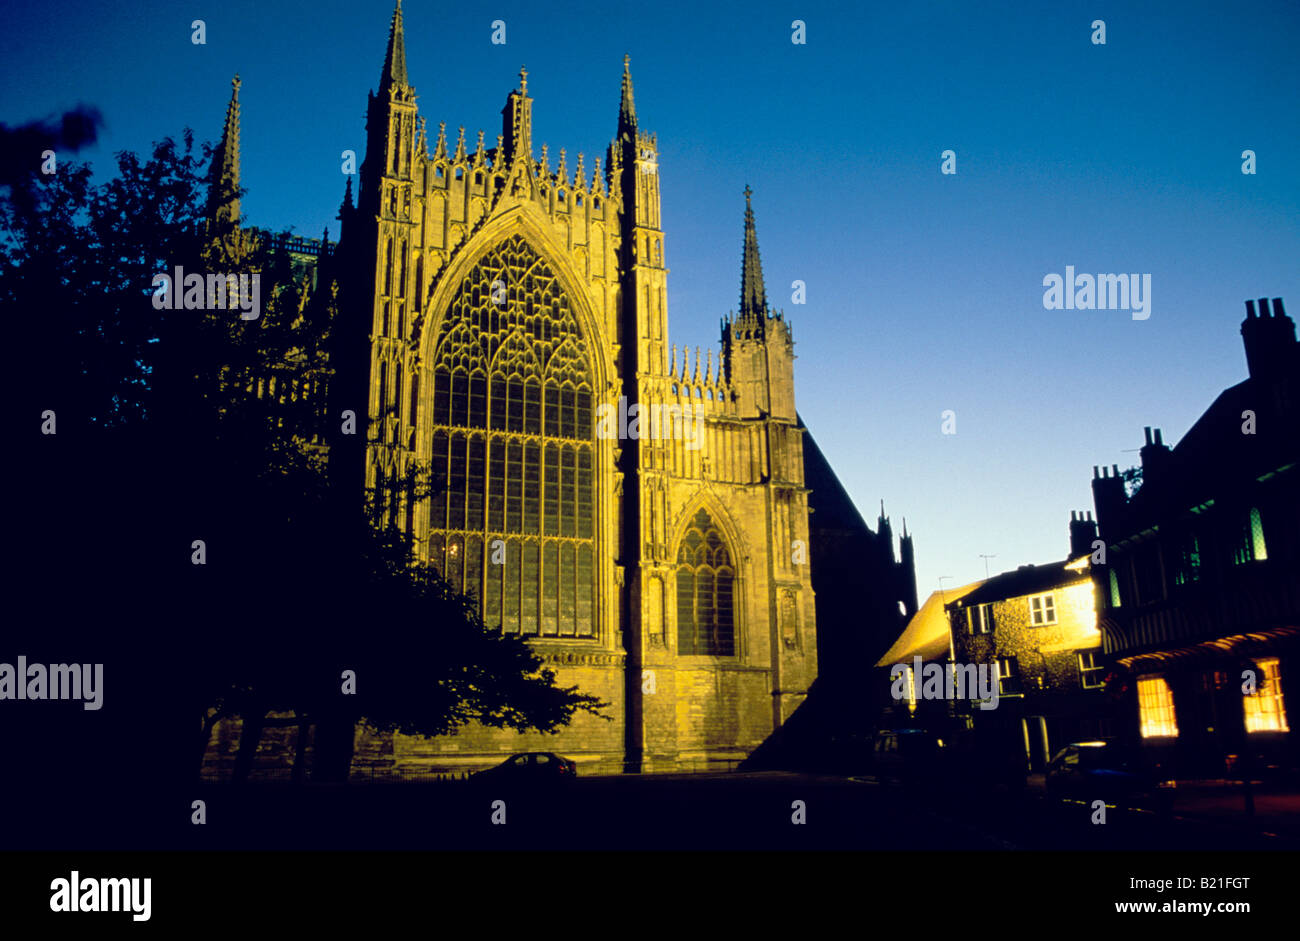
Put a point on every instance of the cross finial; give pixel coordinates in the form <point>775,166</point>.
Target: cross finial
<point>523,80</point>
<point>748,193</point>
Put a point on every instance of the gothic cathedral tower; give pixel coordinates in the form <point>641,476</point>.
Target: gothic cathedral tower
<point>641,521</point>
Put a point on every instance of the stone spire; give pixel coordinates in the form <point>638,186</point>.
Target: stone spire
<point>517,136</point>
<point>753,295</point>
<point>627,107</point>
<point>395,58</point>
<point>223,189</point>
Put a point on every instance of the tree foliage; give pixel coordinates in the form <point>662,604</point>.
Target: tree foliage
<point>177,426</point>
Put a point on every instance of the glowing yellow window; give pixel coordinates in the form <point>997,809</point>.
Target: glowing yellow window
<point>1156,708</point>
<point>1264,709</point>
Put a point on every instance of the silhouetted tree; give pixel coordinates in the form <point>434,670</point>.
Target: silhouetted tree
<point>177,426</point>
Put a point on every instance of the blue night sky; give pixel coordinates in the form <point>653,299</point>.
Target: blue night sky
<point>924,291</point>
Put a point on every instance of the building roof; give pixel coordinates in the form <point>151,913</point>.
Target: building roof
<point>926,635</point>
<point>829,496</point>
<point>1026,580</point>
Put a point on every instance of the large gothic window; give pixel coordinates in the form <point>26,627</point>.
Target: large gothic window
<point>705,579</point>
<point>513,438</point>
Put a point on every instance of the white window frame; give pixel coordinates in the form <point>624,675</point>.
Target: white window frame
<point>1086,671</point>
<point>1007,674</point>
<point>1044,614</point>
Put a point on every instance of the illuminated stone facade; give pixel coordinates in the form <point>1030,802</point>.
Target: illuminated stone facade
<point>1037,626</point>
<point>508,297</point>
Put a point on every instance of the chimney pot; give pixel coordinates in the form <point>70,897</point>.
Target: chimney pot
<point>1263,307</point>
<point>1250,310</point>
<point>1277,307</point>
<point>1115,469</point>
<point>1147,433</point>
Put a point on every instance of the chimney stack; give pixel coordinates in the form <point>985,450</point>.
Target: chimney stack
<point>1083,530</point>
<point>1154,455</point>
<point>1108,497</point>
<point>1269,339</point>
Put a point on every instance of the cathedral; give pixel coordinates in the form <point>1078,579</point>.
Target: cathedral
<point>494,301</point>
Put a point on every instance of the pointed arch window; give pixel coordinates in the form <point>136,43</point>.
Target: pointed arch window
<point>510,375</point>
<point>705,591</point>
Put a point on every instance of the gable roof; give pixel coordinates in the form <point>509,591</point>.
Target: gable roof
<point>926,634</point>
<point>1026,580</point>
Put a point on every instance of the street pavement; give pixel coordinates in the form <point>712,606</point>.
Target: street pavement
<point>725,811</point>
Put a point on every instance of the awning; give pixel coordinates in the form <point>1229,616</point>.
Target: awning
<point>1208,652</point>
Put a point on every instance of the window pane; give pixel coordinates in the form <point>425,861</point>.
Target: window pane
<point>568,419</point>
<point>566,588</point>
<point>568,491</point>
<point>532,487</point>
<point>515,395</point>
<point>586,589</point>
<point>705,613</point>
<point>552,411</point>
<point>492,598</point>
<point>685,611</point>
<point>551,580</point>
<point>478,400</point>
<point>441,397</point>
<point>585,426</point>
<point>1156,708</point>
<point>584,492</point>
<point>438,501</point>
<point>459,398</point>
<point>726,638</point>
<point>455,563</point>
<point>511,617</point>
<point>475,484</point>
<point>528,616</point>
<point>514,486</point>
<point>533,408</point>
<point>497,486</point>
<point>497,403</point>
<point>456,483</point>
<point>551,508</point>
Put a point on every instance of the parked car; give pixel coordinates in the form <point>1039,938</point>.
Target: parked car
<point>906,753</point>
<point>530,768</point>
<point>1105,770</point>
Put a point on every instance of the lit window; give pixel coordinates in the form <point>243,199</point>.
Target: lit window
<point>1264,709</point>
<point>1189,561</point>
<point>1114,589</point>
<point>1042,610</point>
<point>1090,671</point>
<point>1156,708</point>
<point>1250,540</point>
